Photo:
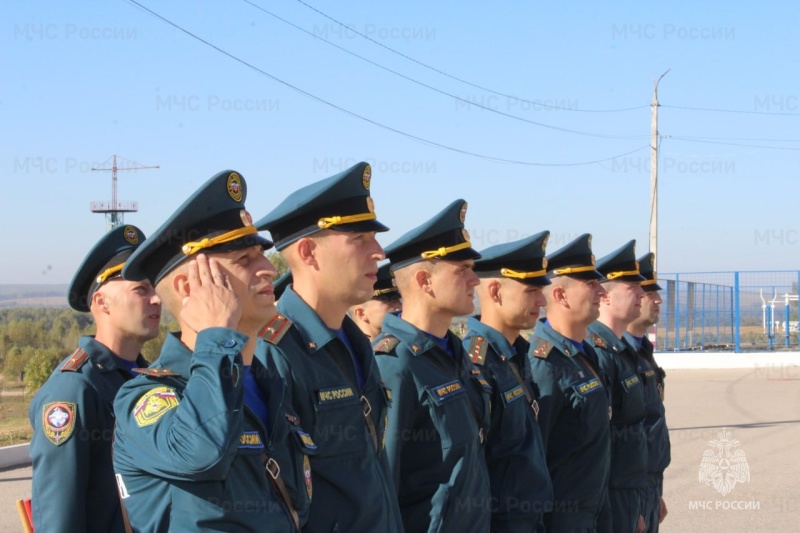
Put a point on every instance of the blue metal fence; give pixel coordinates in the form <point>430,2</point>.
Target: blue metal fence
<point>738,311</point>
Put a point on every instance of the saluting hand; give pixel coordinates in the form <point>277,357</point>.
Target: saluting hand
<point>211,301</point>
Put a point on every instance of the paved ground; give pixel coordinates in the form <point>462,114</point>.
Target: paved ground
<point>14,485</point>
<point>759,407</point>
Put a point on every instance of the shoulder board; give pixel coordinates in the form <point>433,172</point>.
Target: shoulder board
<point>598,341</point>
<point>78,359</point>
<point>275,329</point>
<point>156,372</point>
<point>542,349</point>
<point>477,350</point>
<point>385,344</point>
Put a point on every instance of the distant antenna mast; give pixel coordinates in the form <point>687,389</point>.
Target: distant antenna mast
<point>114,210</point>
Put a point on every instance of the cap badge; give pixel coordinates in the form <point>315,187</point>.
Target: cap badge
<point>235,187</point>
<point>465,234</point>
<point>247,220</point>
<point>366,177</point>
<point>131,235</point>
<point>544,242</point>
<point>370,204</point>
<point>462,216</point>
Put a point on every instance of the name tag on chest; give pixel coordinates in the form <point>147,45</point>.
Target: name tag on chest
<point>337,394</point>
<point>251,440</point>
<point>588,387</point>
<point>514,394</point>
<point>630,382</point>
<point>448,390</point>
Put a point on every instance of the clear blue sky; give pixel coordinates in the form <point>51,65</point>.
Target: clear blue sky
<point>85,80</point>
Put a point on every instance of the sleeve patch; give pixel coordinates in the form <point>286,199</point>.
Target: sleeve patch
<point>58,421</point>
<point>154,404</point>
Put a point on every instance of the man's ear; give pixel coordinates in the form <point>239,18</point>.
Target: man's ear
<point>99,300</point>
<point>180,284</point>
<point>359,314</point>
<point>305,249</point>
<point>493,288</point>
<point>422,279</point>
<point>605,298</point>
<point>560,296</point>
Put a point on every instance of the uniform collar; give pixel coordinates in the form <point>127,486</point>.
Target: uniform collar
<point>175,355</point>
<point>616,344</point>
<point>409,334</point>
<point>497,341</point>
<point>311,327</point>
<point>560,342</point>
<point>101,357</point>
<point>633,341</point>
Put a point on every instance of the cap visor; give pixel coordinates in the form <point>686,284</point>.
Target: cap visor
<point>461,255</point>
<point>588,275</point>
<point>356,227</point>
<point>636,278</point>
<point>540,281</point>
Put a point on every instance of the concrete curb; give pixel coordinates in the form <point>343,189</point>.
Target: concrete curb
<point>754,360</point>
<point>15,456</point>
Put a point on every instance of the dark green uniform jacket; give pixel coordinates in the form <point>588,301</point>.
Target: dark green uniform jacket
<point>574,412</point>
<point>352,487</point>
<point>628,439</point>
<point>190,456</point>
<point>655,423</point>
<point>437,428</point>
<point>73,427</point>
<point>520,483</point>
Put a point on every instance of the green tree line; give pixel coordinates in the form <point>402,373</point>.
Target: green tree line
<point>34,340</point>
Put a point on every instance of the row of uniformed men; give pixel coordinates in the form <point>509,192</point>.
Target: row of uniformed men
<point>257,419</point>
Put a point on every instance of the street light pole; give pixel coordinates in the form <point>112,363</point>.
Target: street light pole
<point>654,173</point>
